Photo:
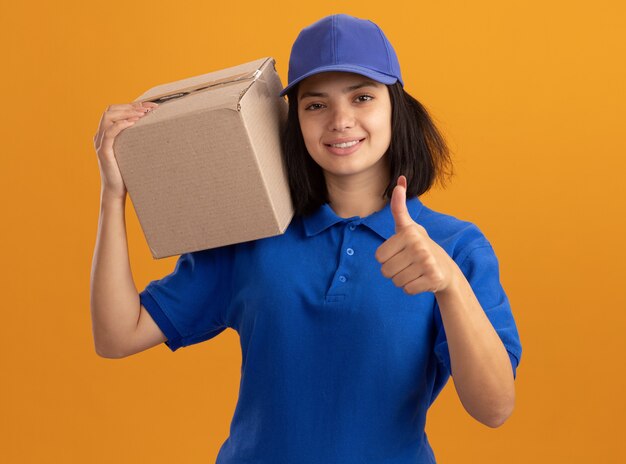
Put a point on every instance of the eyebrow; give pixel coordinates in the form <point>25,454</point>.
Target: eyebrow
<point>345,90</point>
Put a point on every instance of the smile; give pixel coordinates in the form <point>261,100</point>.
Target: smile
<point>344,144</point>
<point>344,148</point>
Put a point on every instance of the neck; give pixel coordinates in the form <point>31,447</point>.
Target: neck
<point>358,195</point>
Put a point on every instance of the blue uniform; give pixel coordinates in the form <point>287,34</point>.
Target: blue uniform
<point>339,366</point>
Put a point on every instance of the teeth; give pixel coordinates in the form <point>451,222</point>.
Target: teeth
<point>345,144</point>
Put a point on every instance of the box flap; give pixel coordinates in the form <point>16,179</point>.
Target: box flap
<point>206,82</point>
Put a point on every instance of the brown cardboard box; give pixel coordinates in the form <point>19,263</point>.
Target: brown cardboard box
<point>205,168</point>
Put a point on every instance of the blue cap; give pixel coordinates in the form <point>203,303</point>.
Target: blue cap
<point>343,43</point>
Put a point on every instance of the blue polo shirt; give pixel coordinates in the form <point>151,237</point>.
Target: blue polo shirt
<point>339,366</point>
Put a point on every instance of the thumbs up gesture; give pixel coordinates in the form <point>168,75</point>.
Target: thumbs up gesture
<point>410,258</point>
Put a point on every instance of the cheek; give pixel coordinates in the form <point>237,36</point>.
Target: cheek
<point>381,126</point>
<point>309,132</point>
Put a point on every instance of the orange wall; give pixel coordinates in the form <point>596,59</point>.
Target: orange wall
<point>531,98</point>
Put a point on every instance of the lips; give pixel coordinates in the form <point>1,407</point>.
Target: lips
<point>343,142</point>
<point>342,147</point>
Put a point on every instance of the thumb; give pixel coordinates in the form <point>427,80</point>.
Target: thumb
<point>400,213</point>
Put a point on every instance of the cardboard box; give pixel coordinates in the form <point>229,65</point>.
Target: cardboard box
<point>205,168</point>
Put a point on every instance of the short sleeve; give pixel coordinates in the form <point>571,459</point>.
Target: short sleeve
<point>189,305</point>
<point>481,269</point>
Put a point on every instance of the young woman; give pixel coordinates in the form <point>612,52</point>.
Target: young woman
<point>352,320</point>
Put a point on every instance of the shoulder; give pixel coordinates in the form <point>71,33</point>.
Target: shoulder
<point>271,247</point>
<point>205,262</point>
<point>293,232</point>
<point>459,237</point>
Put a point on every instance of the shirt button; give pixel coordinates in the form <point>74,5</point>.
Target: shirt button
<point>352,227</point>
<point>350,251</point>
<point>342,278</point>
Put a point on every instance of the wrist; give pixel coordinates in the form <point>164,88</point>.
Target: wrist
<point>454,286</point>
<point>109,198</point>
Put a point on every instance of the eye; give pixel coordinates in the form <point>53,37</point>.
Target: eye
<point>313,106</point>
<point>364,98</point>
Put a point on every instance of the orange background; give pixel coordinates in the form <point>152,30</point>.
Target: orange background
<point>531,98</point>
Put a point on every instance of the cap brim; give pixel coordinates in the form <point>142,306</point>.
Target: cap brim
<point>375,75</point>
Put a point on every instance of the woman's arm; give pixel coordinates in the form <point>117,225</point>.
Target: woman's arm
<point>481,367</point>
<point>120,325</point>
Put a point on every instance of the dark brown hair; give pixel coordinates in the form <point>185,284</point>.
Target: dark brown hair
<point>417,150</point>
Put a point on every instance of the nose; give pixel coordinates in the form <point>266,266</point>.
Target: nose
<point>341,117</point>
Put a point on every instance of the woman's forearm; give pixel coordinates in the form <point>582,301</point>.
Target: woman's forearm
<point>481,367</point>
<point>115,304</point>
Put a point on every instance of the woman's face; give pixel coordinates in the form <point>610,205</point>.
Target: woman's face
<point>346,123</point>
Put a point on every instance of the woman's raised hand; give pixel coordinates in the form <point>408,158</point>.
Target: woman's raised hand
<point>410,258</point>
<point>114,120</point>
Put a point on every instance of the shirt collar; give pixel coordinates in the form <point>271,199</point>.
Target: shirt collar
<point>381,222</point>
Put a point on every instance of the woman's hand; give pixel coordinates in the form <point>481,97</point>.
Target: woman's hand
<point>478,359</point>
<point>410,258</point>
<point>115,119</point>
